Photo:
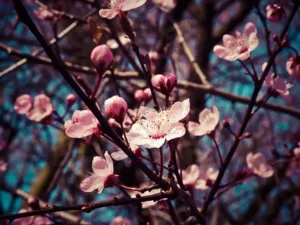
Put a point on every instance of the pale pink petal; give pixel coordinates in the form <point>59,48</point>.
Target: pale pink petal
<point>91,183</point>
<point>244,55</point>
<point>250,29</point>
<point>195,129</point>
<point>149,114</point>
<point>132,4</point>
<point>109,162</point>
<point>176,130</point>
<point>222,52</point>
<point>77,130</point>
<point>179,111</point>
<point>266,172</point>
<point>201,184</point>
<point>108,13</point>
<point>119,155</point>
<point>253,42</point>
<point>230,42</point>
<point>155,143</point>
<point>23,104</point>
<point>100,166</point>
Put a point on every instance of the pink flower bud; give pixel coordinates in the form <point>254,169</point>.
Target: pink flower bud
<point>293,67</point>
<point>70,99</point>
<point>171,81</point>
<point>102,58</point>
<point>164,84</point>
<point>116,107</point>
<point>153,55</point>
<point>274,13</point>
<point>23,104</point>
<point>33,203</point>
<point>147,95</point>
<point>139,96</point>
<point>113,123</point>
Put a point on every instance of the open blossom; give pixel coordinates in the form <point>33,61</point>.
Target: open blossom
<point>82,124</point>
<point>42,108</point>
<point>275,83</point>
<point>293,67</point>
<point>195,178</point>
<point>23,104</point>
<point>147,204</point>
<point>119,220</point>
<point>32,220</point>
<point>208,120</point>
<point>275,13</point>
<point>165,5</point>
<point>238,47</point>
<point>118,6</point>
<point>102,177</point>
<point>116,107</point>
<point>154,128</point>
<point>259,165</point>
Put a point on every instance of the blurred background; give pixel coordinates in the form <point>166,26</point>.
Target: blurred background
<point>45,163</point>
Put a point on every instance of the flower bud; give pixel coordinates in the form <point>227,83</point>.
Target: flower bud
<point>147,95</point>
<point>153,55</point>
<point>116,107</point>
<point>33,203</point>
<point>225,124</point>
<point>70,99</point>
<point>139,96</point>
<point>113,123</point>
<point>293,67</point>
<point>102,58</point>
<point>274,13</point>
<point>164,84</point>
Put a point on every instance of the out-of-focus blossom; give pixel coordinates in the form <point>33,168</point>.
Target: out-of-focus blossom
<point>238,47</point>
<point>293,67</point>
<point>119,6</point>
<point>164,84</point>
<point>116,107</point>
<point>32,220</point>
<point>23,104</point>
<point>82,124</point>
<point>70,99</point>
<point>165,5</point>
<point>275,83</point>
<point>154,128</point>
<point>195,178</point>
<point>147,95</point>
<point>2,144</point>
<point>274,13</point>
<point>259,165</point>
<point>120,155</point>
<point>139,96</point>
<point>102,58</point>
<point>153,56</point>
<point>114,45</point>
<point>42,108</point>
<point>119,220</point>
<point>147,204</point>
<point>102,177</point>
<point>44,14</point>
<point>3,165</point>
<point>208,120</point>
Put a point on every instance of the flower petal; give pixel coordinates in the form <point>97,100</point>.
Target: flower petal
<point>109,162</point>
<point>131,4</point>
<point>91,183</point>
<point>179,111</point>
<point>196,129</point>
<point>108,13</point>
<point>119,155</point>
<point>100,166</point>
<point>176,130</point>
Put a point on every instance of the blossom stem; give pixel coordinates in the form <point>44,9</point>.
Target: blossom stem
<point>293,49</point>
<point>248,71</point>
<point>115,80</point>
<point>129,188</point>
<point>253,68</point>
<point>149,160</point>
<point>218,149</point>
<point>99,78</point>
<point>161,161</point>
<point>263,101</point>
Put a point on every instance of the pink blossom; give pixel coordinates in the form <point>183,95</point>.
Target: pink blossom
<point>3,165</point>
<point>276,83</point>
<point>238,47</point>
<point>154,128</point>
<point>147,95</point>
<point>103,173</point>
<point>116,107</point>
<point>165,5</point>
<point>102,58</point>
<point>119,220</point>
<point>118,6</point>
<point>23,104</point>
<point>32,220</point>
<point>258,164</point>
<point>82,124</point>
<point>120,155</point>
<point>42,108</point>
<point>208,120</point>
<point>275,13</point>
<point>114,45</point>
<point>293,67</point>
<point>139,96</point>
<point>164,84</point>
<point>198,179</point>
<point>147,204</point>
<point>70,99</point>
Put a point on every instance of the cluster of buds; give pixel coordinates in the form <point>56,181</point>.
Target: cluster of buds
<point>164,84</point>
<point>142,95</point>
